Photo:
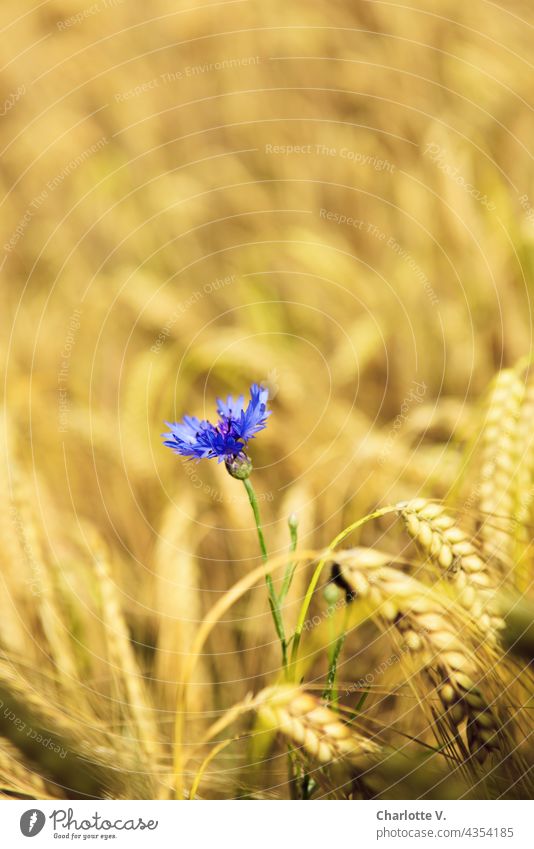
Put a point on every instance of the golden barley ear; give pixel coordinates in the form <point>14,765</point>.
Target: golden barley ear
<point>315,729</point>
<point>432,633</point>
<point>449,547</point>
<point>524,483</point>
<point>48,598</point>
<point>178,605</point>
<point>139,713</point>
<point>499,462</point>
<point>80,757</point>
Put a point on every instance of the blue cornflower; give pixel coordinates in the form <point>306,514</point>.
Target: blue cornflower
<point>227,439</point>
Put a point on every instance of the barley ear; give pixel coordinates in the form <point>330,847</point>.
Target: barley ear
<point>431,634</point>
<point>449,547</point>
<point>314,729</point>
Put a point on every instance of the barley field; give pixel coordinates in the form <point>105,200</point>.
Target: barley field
<point>331,202</point>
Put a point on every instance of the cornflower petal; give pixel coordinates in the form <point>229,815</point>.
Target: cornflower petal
<point>200,439</point>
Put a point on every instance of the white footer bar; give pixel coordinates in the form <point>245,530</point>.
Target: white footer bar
<point>270,824</point>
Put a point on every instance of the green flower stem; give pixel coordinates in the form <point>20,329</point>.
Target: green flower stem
<point>256,510</point>
<point>317,574</point>
<point>273,599</point>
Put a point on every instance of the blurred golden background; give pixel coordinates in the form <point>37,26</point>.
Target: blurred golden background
<point>333,199</point>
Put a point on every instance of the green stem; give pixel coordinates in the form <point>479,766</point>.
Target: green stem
<point>273,600</point>
<point>256,510</point>
<point>317,574</point>
<point>330,691</point>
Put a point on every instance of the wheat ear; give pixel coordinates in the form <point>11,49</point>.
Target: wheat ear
<point>524,489</point>
<point>431,632</point>
<point>450,548</point>
<point>48,599</point>
<point>123,661</point>
<point>308,723</point>
<point>499,463</point>
<point>93,763</point>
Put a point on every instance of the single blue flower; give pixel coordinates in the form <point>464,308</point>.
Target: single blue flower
<point>227,439</point>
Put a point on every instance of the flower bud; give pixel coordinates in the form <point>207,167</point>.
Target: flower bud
<point>239,467</point>
<point>293,521</point>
